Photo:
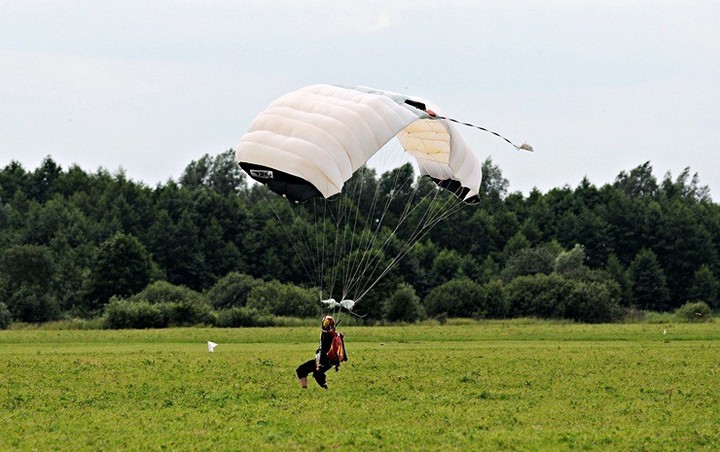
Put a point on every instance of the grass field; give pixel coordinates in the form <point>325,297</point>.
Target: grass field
<point>477,386</point>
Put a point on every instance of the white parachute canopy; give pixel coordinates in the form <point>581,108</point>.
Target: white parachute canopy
<point>309,142</point>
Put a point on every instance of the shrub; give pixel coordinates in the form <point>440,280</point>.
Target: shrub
<point>697,311</point>
<point>165,292</point>
<point>456,298</point>
<point>188,313</point>
<point>531,261</point>
<point>4,316</point>
<point>284,300</point>
<point>33,305</point>
<point>593,302</point>
<point>403,306</point>
<point>555,296</point>
<point>122,314</point>
<point>569,261</point>
<point>232,290</point>
<point>538,295</point>
<point>496,304</point>
<point>179,305</point>
<point>242,317</point>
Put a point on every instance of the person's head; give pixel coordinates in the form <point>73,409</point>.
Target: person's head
<point>328,323</point>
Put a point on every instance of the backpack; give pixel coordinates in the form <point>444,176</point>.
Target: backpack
<point>336,354</point>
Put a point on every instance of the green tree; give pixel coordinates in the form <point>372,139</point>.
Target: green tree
<point>368,282</point>
<point>488,270</point>
<point>121,314</point>
<point>530,261</point>
<point>592,232</point>
<point>493,186</point>
<point>680,258</point>
<point>403,306</point>
<point>515,245</point>
<point>638,182</point>
<point>32,304</point>
<point>447,265</point>
<point>280,299</point>
<point>685,187</point>
<point>539,295</point>
<point>4,316</point>
<point>26,283</point>
<point>165,292</point>
<point>396,188</point>
<point>496,304</point>
<point>13,179</point>
<point>219,173</point>
<point>122,268</point>
<point>362,189</point>
<point>27,265</point>
<point>232,290</point>
<point>705,287</point>
<point>570,261</point>
<point>649,283</point>
<point>620,274</point>
<point>593,301</point>
<point>43,179</point>
<point>183,255</point>
<point>456,298</point>
<point>220,256</point>
<point>181,306</point>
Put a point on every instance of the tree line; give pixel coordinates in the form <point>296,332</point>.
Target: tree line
<point>209,248</point>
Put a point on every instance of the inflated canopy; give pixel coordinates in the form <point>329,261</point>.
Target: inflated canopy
<point>309,142</point>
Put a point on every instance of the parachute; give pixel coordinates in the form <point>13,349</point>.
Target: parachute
<point>308,143</point>
<point>312,147</point>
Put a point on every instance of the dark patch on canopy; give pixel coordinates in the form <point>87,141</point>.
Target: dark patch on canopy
<point>457,189</point>
<point>292,187</point>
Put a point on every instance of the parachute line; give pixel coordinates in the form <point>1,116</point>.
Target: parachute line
<point>367,260</point>
<point>299,254</point>
<point>427,222</point>
<point>522,147</point>
<point>354,252</point>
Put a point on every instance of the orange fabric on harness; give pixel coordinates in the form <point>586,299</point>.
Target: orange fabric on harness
<point>336,353</point>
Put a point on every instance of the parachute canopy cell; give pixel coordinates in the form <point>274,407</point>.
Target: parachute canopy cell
<point>309,142</point>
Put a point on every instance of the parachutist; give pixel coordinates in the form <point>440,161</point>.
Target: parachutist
<point>330,353</point>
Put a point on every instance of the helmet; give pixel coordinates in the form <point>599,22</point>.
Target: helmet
<point>328,323</point>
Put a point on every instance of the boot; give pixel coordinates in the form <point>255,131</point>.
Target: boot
<point>303,382</point>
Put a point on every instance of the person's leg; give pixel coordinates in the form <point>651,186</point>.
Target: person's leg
<point>304,370</point>
<point>319,376</point>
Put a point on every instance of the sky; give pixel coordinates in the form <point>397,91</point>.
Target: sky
<point>147,87</point>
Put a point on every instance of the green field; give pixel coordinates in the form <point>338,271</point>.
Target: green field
<point>478,386</point>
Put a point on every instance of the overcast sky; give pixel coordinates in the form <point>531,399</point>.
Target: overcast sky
<point>148,86</point>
